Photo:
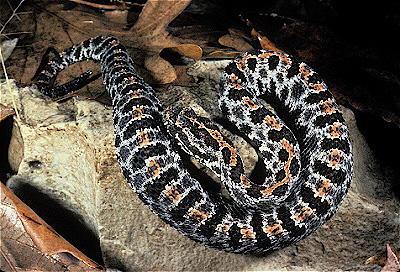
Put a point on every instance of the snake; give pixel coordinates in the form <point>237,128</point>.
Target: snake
<point>302,141</point>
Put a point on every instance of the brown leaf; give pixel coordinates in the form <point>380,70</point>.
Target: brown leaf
<point>222,55</point>
<point>183,78</point>
<point>201,35</point>
<point>149,33</point>
<point>145,40</point>
<point>5,112</point>
<point>100,6</point>
<point>237,40</point>
<point>389,261</point>
<point>28,243</point>
<point>265,42</point>
<point>392,263</point>
<point>188,50</point>
<point>379,259</point>
<point>156,15</point>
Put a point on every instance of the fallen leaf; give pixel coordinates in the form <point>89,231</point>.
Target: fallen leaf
<point>145,39</point>
<point>7,47</point>
<point>379,259</point>
<point>188,50</point>
<point>222,55</point>
<point>389,261</point>
<point>202,35</point>
<point>5,112</point>
<point>236,39</point>
<point>183,79</point>
<point>28,243</point>
<point>122,5</point>
<point>392,263</point>
<point>149,34</point>
<point>265,42</point>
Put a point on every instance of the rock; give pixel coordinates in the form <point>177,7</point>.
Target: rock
<point>68,155</point>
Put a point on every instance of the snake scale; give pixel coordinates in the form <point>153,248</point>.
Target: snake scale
<point>305,179</point>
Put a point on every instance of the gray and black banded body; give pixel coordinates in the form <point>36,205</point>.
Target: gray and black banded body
<point>305,181</point>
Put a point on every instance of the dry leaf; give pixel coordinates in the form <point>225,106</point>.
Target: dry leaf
<point>201,35</point>
<point>379,259</point>
<point>145,40</point>
<point>28,243</point>
<point>389,261</point>
<point>149,33</point>
<point>222,55</point>
<point>5,112</point>
<point>236,39</point>
<point>265,42</point>
<point>188,50</point>
<point>392,263</point>
<point>7,47</point>
<point>123,6</point>
<point>183,79</point>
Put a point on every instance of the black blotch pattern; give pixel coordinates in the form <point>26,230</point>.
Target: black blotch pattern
<point>209,141</point>
<point>251,63</point>
<point>226,155</point>
<point>78,52</point>
<point>316,98</point>
<point>320,207</point>
<point>235,94</point>
<point>273,62</point>
<point>324,120</point>
<point>275,135</point>
<point>336,176</point>
<point>254,192</point>
<point>314,78</point>
<point>293,70</point>
<point>133,103</point>
<point>106,44</point>
<point>340,144</point>
<point>294,166</point>
<point>132,128</point>
<point>287,223</point>
<point>259,114</point>
<point>280,175</point>
<point>233,69</point>
<point>188,201</point>
<point>283,133</point>
<point>235,236</point>
<point>116,56</point>
<point>148,151</point>
<point>283,155</point>
<point>281,190</point>
<point>117,140</point>
<point>267,155</point>
<point>95,41</point>
<point>262,239</point>
<point>296,90</point>
<point>122,78</point>
<point>224,109</point>
<point>208,230</point>
<point>154,189</point>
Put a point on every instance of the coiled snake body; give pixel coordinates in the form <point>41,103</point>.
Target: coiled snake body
<point>305,181</point>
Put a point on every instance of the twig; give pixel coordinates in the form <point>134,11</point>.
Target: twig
<point>15,33</point>
<point>61,19</point>
<point>14,13</point>
<point>100,6</point>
